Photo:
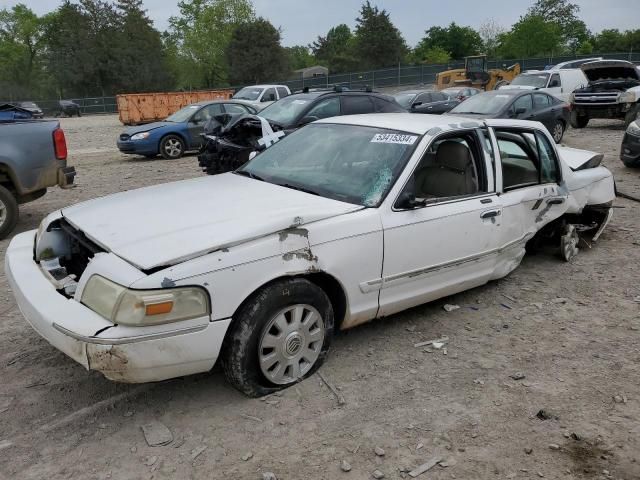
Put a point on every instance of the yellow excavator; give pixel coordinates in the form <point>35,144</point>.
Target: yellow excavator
<point>475,74</point>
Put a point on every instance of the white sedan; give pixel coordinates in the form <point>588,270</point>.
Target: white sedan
<point>343,221</point>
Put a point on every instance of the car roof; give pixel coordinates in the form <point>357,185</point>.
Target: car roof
<point>406,122</point>
<point>422,90</point>
<point>264,86</point>
<point>230,100</point>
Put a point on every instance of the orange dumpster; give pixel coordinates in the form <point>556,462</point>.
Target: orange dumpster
<point>138,108</point>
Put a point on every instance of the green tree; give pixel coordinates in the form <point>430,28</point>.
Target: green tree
<point>200,35</point>
<point>532,35</point>
<point>377,42</point>
<point>254,53</point>
<point>564,14</point>
<point>433,55</point>
<point>335,50</point>
<point>459,41</point>
<point>21,44</point>
<point>299,57</point>
<point>613,40</point>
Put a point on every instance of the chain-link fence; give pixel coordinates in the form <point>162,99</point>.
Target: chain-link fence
<point>384,78</point>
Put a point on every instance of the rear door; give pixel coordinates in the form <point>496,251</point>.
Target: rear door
<point>543,110</point>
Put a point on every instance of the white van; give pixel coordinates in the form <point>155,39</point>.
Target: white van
<point>559,83</point>
<point>261,96</point>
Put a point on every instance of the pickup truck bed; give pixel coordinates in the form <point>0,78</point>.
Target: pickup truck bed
<point>33,157</point>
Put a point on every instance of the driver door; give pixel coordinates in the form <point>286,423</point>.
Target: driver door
<point>198,121</point>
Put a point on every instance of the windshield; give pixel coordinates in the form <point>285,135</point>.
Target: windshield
<point>348,163</point>
<point>286,110</point>
<point>539,80</point>
<point>28,105</point>
<point>405,99</point>
<point>483,104</point>
<point>248,93</point>
<point>183,114</point>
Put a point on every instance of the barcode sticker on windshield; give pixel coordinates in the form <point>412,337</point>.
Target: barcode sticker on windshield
<point>394,138</point>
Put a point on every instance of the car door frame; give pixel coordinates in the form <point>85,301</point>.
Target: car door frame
<point>425,282</point>
<point>195,129</point>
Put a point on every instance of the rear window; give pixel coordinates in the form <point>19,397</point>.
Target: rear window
<point>356,104</point>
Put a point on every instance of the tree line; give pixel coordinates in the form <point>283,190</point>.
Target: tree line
<point>100,47</point>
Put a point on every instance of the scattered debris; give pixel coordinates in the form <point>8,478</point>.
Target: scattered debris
<point>450,308</point>
<point>128,414</point>
<point>419,446</point>
<point>438,343</point>
<point>425,467</point>
<point>247,456</point>
<point>157,434</point>
<point>151,460</point>
<point>576,437</point>
<point>379,451</point>
<point>345,466</point>
<point>508,307</point>
<point>528,450</point>
<point>478,381</point>
<point>251,417</point>
<point>509,298</point>
<point>377,474</point>
<point>554,446</point>
<point>518,376</point>
<point>4,444</point>
<point>269,476</point>
<point>560,300</point>
<point>334,390</point>
<point>546,415</point>
<point>196,452</point>
<point>620,398</point>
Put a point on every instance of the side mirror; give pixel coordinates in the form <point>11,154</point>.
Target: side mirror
<point>520,111</point>
<point>306,120</point>
<point>416,104</point>
<point>408,201</point>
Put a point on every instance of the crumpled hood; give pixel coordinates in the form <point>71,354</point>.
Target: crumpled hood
<point>146,127</point>
<point>165,224</point>
<point>610,70</point>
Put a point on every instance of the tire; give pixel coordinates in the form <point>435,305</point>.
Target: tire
<point>171,147</point>
<point>631,163</point>
<point>264,329</point>
<point>558,131</point>
<point>8,212</point>
<point>578,121</point>
<point>632,115</point>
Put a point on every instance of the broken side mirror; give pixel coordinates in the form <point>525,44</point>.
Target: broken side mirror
<point>306,120</point>
<point>416,104</point>
<point>408,201</point>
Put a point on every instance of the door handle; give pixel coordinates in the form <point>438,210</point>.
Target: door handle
<point>555,201</point>
<point>490,214</point>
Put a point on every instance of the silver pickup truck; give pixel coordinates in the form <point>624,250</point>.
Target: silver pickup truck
<point>33,157</point>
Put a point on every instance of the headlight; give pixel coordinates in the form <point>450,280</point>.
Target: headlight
<point>140,136</point>
<point>144,307</point>
<point>627,97</point>
<point>634,128</point>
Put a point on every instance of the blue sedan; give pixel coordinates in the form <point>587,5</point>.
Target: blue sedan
<point>180,132</point>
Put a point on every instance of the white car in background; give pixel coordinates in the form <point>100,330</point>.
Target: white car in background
<point>559,83</point>
<point>261,96</point>
<point>345,220</point>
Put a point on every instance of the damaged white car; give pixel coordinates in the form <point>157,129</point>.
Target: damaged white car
<point>346,220</point>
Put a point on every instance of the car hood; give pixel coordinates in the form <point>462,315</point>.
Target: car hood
<point>517,87</point>
<point>165,224</point>
<point>609,70</point>
<point>147,127</point>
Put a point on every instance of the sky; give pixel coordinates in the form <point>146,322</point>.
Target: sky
<point>302,21</point>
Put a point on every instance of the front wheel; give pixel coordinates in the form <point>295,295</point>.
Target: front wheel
<point>279,337</point>
<point>578,121</point>
<point>171,147</point>
<point>558,131</point>
<point>8,212</point>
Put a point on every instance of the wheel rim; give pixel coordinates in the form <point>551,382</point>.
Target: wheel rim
<point>558,130</point>
<point>173,147</point>
<point>3,213</point>
<point>291,343</point>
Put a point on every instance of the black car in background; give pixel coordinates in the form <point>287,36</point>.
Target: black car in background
<point>68,108</point>
<point>521,105</point>
<point>630,150</point>
<point>461,93</point>
<point>35,110</point>
<point>426,101</point>
<point>299,109</point>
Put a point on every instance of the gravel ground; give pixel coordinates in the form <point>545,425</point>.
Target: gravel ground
<point>571,330</point>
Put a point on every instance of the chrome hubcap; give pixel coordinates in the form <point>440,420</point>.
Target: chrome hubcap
<point>3,213</point>
<point>173,147</point>
<point>290,344</point>
<point>557,132</point>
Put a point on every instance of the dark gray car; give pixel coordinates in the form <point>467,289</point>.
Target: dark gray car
<point>426,101</point>
<point>522,105</point>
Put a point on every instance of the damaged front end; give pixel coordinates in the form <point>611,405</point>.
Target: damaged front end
<point>231,139</point>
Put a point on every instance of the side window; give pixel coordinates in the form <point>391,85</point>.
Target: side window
<point>383,106</point>
<point>555,81</point>
<point>269,95</point>
<point>235,108</point>
<point>206,113</point>
<point>356,104</point>
<point>519,158</point>
<point>453,166</point>
<point>540,101</point>
<point>523,104</point>
<point>282,92</point>
<point>549,171</point>
<point>424,98</point>
<point>439,97</point>
<point>326,108</point>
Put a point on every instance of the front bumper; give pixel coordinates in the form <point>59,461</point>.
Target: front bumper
<point>138,147</point>
<point>630,150</point>
<point>611,110</point>
<point>124,354</point>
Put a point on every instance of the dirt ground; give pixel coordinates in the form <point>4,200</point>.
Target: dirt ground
<point>572,330</point>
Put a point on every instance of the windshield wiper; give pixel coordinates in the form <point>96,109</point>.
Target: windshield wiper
<point>246,173</point>
<point>300,189</point>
